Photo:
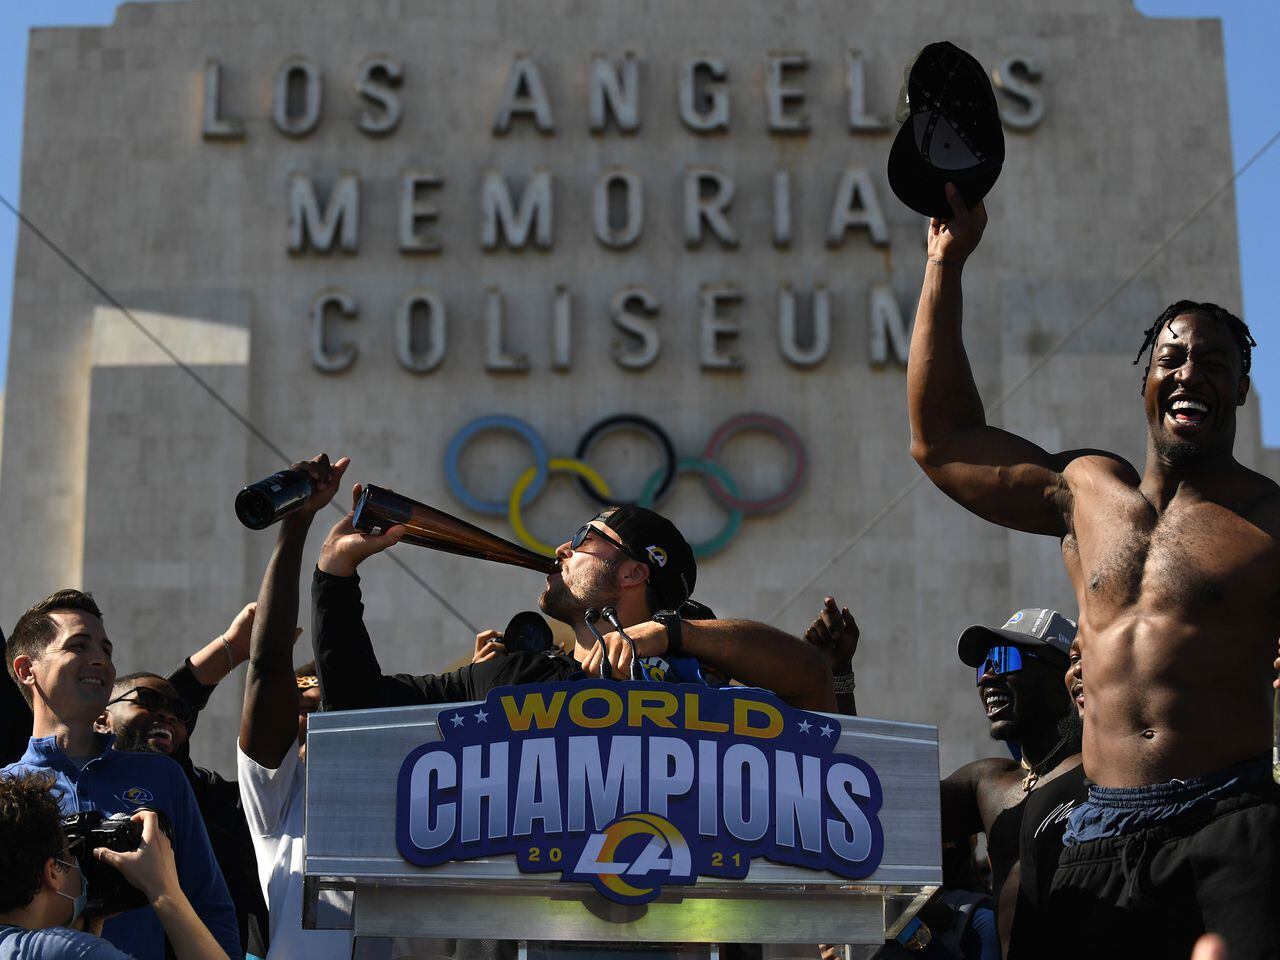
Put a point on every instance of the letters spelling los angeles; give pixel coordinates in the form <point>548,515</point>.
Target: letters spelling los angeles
<point>630,786</point>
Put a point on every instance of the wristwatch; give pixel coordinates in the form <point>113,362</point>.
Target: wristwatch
<point>671,620</point>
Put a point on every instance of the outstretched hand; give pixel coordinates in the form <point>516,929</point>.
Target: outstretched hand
<point>326,479</point>
<point>952,240</point>
<point>345,548</point>
<point>835,633</point>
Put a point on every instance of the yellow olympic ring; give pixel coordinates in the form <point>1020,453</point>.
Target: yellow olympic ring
<point>555,465</point>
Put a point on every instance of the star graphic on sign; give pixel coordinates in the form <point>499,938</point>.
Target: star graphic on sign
<point>457,719</point>
<point>805,726</point>
<point>825,730</point>
<point>481,716</point>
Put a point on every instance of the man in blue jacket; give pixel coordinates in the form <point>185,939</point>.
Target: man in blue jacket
<point>60,657</point>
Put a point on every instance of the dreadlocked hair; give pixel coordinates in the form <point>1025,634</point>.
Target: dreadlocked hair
<point>1238,328</point>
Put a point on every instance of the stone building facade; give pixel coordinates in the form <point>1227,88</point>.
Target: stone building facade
<point>364,226</point>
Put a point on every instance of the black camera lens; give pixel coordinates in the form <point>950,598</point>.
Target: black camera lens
<point>261,504</point>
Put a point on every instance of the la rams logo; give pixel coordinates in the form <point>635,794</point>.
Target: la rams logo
<point>1016,618</point>
<point>630,860</point>
<point>137,796</point>
<point>657,554</point>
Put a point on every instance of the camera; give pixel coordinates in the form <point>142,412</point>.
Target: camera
<point>109,891</point>
<point>528,632</point>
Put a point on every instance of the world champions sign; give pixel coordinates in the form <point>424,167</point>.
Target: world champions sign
<point>634,786</point>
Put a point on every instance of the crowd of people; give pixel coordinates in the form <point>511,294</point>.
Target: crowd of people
<point>1133,814</point>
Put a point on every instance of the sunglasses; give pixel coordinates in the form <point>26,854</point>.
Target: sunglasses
<point>1005,659</point>
<point>587,530</point>
<point>153,700</point>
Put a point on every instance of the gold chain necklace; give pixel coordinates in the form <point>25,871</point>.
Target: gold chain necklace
<point>1034,771</point>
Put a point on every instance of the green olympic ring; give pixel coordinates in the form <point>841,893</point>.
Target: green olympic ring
<point>726,533</point>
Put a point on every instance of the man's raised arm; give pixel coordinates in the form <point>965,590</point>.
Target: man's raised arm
<point>269,718</point>
<point>997,475</point>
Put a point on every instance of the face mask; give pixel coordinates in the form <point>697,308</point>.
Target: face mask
<point>78,902</point>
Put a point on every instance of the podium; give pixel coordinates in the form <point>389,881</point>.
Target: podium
<point>713,809</point>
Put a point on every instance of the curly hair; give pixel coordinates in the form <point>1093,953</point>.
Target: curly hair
<point>35,629</point>
<point>30,833</point>
<point>1238,329</point>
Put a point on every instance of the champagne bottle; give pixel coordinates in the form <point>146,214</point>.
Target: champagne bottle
<point>261,504</point>
<point>380,509</point>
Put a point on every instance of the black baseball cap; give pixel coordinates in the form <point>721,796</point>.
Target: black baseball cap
<point>950,131</point>
<point>654,540</point>
<point>1033,627</point>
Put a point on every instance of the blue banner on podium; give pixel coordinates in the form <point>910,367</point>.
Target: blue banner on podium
<point>632,786</point>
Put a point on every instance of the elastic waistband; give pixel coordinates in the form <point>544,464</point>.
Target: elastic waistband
<point>1245,774</point>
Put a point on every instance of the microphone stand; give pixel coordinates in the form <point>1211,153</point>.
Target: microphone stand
<point>637,671</point>
<point>592,616</point>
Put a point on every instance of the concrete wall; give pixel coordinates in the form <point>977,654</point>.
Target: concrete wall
<point>119,472</point>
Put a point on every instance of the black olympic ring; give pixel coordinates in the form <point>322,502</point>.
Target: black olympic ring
<point>639,424</point>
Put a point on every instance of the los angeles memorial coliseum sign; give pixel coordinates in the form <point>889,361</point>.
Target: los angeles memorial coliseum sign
<point>713,205</point>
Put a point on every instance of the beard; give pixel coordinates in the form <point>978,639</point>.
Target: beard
<point>1179,453</point>
<point>1071,726</point>
<point>1008,731</point>
<point>135,741</point>
<point>569,604</point>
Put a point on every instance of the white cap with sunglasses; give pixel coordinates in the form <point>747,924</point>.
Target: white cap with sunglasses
<point>1029,628</point>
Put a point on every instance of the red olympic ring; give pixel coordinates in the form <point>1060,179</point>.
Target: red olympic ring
<point>775,428</point>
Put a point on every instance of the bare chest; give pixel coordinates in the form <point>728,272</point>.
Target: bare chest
<point>1195,555</point>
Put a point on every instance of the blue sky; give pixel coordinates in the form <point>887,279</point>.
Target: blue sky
<point>1251,29</point>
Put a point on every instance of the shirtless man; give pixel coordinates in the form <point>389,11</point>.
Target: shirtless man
<point>1177,575</point>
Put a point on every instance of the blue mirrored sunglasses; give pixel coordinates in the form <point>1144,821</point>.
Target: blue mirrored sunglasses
<point>1004,659</point>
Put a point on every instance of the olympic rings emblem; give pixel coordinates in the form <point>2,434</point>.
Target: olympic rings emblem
<point>719,484</point>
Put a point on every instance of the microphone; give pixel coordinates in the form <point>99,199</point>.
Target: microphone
<point>593,615</point>
<point>637,671</point>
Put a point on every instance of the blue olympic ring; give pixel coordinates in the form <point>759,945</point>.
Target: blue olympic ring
<point>496,508</point>
<point>719,485</point>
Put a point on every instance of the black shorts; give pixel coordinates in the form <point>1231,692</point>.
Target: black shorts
<point>1152,892</point>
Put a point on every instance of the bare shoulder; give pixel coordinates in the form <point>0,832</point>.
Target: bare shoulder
<point>983,770</point>
<point>1259,499</point>
<point>1088,466</point>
